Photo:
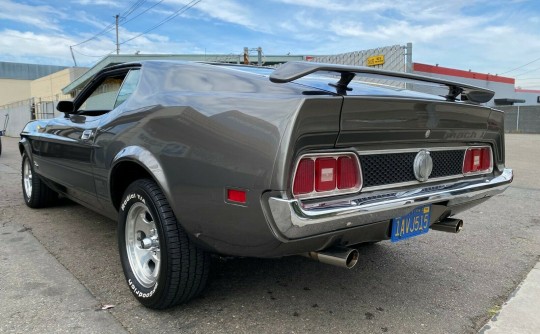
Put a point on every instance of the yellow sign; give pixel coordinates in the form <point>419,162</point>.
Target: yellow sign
<point>375,60</point>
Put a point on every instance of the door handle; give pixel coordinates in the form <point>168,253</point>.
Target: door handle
<point>87,134</point>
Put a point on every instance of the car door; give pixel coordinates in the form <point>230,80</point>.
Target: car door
<point>67,144</point>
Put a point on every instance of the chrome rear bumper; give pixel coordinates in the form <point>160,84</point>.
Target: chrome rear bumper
<point>294,220</point>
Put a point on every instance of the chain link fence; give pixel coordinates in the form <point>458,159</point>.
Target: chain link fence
<point>14,116</point>
<point>394,58</point>
<point>521,119</point>
<point>397,58</point>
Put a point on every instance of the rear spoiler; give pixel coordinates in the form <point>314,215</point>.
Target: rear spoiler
<point>293,70</point>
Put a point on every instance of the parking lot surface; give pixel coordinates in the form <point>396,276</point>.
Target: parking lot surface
<point>436,283</point>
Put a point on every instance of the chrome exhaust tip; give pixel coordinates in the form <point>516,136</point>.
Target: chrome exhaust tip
<point>336,256</point>
<point>451,225</point>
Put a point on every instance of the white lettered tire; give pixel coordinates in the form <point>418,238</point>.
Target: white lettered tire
<point>163,268</point>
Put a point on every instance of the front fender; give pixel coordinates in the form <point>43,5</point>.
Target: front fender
<point>35,127</point>
<point>24,146</point>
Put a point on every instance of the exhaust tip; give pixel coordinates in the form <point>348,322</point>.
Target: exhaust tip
<point>451,225</point>
<point>459,226</point>
<point>336,256</point>
<point>352,258</point>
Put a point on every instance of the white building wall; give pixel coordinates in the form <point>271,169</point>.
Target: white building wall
<point>502,90</point>
<point>531,97</point>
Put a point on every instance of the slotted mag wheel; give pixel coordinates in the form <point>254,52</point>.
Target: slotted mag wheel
<point>27,178</point>
<point>142,245</point>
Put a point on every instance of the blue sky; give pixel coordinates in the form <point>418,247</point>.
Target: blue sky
<point>491,36</point>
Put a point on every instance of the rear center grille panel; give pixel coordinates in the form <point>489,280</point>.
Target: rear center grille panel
<point>391,168</point>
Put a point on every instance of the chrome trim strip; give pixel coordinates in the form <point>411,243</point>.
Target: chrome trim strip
<point>289,215</point>
<point>414,150</point>
<point>412,183</point>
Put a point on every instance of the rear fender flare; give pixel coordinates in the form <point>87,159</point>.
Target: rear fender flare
<point>145,159</point>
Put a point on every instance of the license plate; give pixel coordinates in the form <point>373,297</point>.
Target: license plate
<point>412,224</point>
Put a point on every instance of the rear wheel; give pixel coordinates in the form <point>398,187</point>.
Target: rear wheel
<point>35,192</point>
<point>162,266</point>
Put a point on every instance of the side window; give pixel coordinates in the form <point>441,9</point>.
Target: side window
<point>104,96</point>
<point>128,87</point>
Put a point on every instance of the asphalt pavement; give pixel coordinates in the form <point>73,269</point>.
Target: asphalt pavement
<point>60,266</point>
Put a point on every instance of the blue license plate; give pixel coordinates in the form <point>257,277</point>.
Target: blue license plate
<point>412,224</point>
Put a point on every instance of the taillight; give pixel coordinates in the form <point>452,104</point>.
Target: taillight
<point>478,160</point>
<point>348,172</point>
<point>327,175</point>
<point>304,180</point>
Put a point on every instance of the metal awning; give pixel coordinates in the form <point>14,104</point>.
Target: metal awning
<point>507,101</point>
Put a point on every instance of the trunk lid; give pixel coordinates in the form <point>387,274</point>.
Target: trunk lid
<point>386,119</point>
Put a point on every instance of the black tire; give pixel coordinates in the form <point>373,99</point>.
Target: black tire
<point>180,272</point>
<point>36,193</point>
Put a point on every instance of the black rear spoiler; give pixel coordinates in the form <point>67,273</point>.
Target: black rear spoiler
<point>293,70</point>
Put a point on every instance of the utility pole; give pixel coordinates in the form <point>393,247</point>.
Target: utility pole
<point>72,55</point>
<point>246,56</point>
<point>259,56</point>
<point>117,44</point>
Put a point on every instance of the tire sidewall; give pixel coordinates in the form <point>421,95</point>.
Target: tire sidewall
<point>136,193</point>
<point>28,199</point>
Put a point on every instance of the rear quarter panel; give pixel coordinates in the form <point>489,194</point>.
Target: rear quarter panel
<point>208,132</point>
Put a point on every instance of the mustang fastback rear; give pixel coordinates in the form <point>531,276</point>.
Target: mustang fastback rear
<point>196,158</point>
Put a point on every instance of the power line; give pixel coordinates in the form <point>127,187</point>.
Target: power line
<point>526,72</point>
<point>169,18</point>
<point>133,8</point>
<point>84,54</point>
<point>144,11</point>
<point>104,31</point>
<point>517,68</point>
<point>180,11</point>
<point>111,26</point>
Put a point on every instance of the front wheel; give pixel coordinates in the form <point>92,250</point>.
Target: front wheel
<point>162,266</point>
<point>35,192</point>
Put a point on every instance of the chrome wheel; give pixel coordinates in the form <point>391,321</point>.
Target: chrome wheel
<point>142,244</point>
<point>27,178</point>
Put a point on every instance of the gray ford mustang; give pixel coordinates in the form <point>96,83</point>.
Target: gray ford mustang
<point>195,159</point>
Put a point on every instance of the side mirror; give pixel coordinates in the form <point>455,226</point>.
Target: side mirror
<point>67,107</point>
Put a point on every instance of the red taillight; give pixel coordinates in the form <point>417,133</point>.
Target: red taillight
<point>327,175</point>
<point>348,174</point>
<point>304,179</point>
<point>478,160</point>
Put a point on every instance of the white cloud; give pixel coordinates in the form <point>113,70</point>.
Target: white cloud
<point>340,6</point>
<point>52,48</point>
<point>229,11</point>
<point>108,3</point>
<point>41,17</point>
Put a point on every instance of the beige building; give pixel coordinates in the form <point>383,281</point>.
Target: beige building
<point>21,82</point>
<point>49,88</point>
<point>13,90</point>
<point>29,91</point>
